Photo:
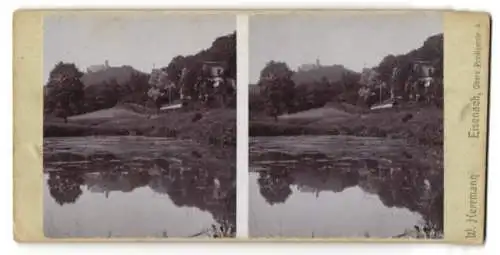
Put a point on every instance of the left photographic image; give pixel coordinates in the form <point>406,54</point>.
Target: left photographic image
<point>139,125</point>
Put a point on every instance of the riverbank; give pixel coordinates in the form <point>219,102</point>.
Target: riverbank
<point>422,125</point>
<point>215,127</point>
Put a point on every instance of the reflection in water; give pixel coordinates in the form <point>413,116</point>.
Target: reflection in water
<point>101,190</point>
<point>275,188</point>
<point>342,186</point>
<point>65,188</point>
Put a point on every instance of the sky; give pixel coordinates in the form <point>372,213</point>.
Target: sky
<point>136,39</point>
<point>352,40</point>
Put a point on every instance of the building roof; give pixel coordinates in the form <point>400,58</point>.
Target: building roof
<point>215,63</point>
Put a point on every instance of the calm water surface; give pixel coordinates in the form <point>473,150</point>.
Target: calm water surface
<point>135,187</point>
<point>339,186</point>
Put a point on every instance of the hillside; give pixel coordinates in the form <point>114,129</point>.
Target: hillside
<point>121,74</point>
<point>215,127</point>
<point>333,73</point>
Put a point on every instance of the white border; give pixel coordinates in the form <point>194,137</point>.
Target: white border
<point>242,129</point>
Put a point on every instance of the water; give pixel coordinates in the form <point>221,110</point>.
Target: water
<point>135,187</point>
<point>341,186</point>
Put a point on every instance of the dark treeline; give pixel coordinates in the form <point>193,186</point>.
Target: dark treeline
<point>223,49</point>
<point>70,91</point>
<point>281,90</point>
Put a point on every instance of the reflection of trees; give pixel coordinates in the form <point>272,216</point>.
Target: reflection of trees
<point>187,182</point>
<point>410,186</point>
<point>275,185</point>
<point>65,187</point>
<point>400,183</point>
<point>202,187</point>
<point>313,172</point>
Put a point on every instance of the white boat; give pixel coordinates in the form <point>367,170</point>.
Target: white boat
<point>382,106</point>
<point>171,106</point>
<point>389,103</point>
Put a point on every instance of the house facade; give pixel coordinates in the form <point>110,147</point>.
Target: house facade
<point>214,68</point>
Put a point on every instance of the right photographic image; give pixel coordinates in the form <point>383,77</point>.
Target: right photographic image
<point>346,125</point>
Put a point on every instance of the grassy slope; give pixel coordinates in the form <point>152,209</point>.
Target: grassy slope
<point>421,125</point>
<point>214,127</point>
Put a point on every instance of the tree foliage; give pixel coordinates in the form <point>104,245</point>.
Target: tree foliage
<point>322,84</point>
<point>64,94</point>
<point>223,50</point>
<point>277,88</point>
<point>85,92</point>
<point>110,93</point>
<point>275,69</point>
<point>431,51</point>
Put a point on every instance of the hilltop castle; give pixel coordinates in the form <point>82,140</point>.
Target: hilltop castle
<point>97,68</point>
<point>307,67</point>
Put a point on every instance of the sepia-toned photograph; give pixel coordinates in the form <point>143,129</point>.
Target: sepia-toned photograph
<point>139,125</point>
<point>346,125</point>
<point>363,125</point>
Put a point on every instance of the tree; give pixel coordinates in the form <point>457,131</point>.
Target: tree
<point>256,102</point>
<point>137,89</point>
<point>223,49</point>
<point>65,69</point>
<point>277,87</point>
<point>431,51</point>
<point>114,93</point>
<point>174,68</point>
<point>276,69</point>
<point>64,90</point>
<point>386,66</point>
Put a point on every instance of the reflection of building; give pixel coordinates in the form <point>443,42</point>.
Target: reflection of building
<point>309,189</point>
<point>336,182</point>
<point>105,182</point>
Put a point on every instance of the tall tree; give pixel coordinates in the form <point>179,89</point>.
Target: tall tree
<point>276,69</point>
<point>277,87</point>
<point>64,90</point>
<point>174,68</point>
